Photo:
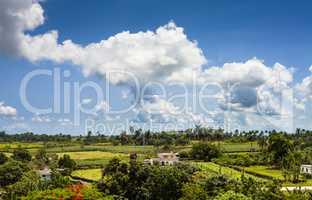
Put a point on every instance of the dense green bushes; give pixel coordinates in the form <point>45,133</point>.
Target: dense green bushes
<point>11,172</point>
<point>241,159</point>
<point>67,164</point>
<point>31,182</point>
<point>3,158</point>
<point>21,155</point>
<point>204,151</point>
<point>75,192</point>
<point>136,181</point>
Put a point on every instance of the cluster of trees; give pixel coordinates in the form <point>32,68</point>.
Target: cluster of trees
<point>18,175</point>
<point>31,137</point>
<point>138,181</point>
<point>182,182</point>
<point>287,153</point>
<point>205,151</point>
<point>141,137</point>
<point>71,192</point>
<point>278,150</point>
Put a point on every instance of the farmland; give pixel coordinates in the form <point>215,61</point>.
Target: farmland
<point>210,167</point>
<point>6,146</point>
<point>93,155</point>
<point>228,147</point>
<point>91,174</point>
<point>265,170</point>
<point>238,147</point>
<point>91,158</point>
<point>202,163</point>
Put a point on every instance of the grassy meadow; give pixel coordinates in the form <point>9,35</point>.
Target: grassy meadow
<point>211,167</point>
<point>265,170</point>
<point>91,174</point>
<point>82,155</point>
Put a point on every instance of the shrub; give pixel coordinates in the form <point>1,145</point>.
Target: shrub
<point>3,158</point>
<point>11,172</point>
<point>137,181</point>
<point>21,155</point>
<point>72,192</point>
<point>205,151</point>
<point>218,184</point>
<point>231,195</point>
<point>67,163</point>
<point>191,191</point>
<point>184,154</point>
<point>240,159</point>
<point>29,182</point>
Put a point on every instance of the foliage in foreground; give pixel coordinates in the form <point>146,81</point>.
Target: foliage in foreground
<point>72,192</point>
<point>136,181</point>
<point>32,182</point>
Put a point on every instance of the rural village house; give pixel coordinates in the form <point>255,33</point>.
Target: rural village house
<point>306,169</point>
<point>163,159</point>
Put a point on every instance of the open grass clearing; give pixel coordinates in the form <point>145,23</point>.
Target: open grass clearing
<point>304,183</point>
<point>265,170</point>
<point>104,161</point>
<point>91,174</point>
<point>5,146</point>
<point>215,168</point>
<point>238,147</point>
<point>93,155</point>
<point>107,148</point>
<point>229,147</point>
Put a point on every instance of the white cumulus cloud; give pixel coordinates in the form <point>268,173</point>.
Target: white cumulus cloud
<point>41,119</point>
<point>16,17</point>
<point>7,110</point>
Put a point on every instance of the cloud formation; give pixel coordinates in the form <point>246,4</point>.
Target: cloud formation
<point>147,55</point>
<point>159,110</point>
<point>166,54</point>
<point>7,110</point>
<point>16,17</point>
<point>41,119</point>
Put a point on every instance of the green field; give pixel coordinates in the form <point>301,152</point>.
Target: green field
<point>5,146</point>
<point>259,169</point>
<point>91,174</point>
<point>91,159</point>
<point>82,155</point>
<point>215,168</point>
<point>229,147</point>
<point>275,173</point>
<point>265,170</point>
<point>107,148</point>
<point>130,149</point>
<point>238,147</point>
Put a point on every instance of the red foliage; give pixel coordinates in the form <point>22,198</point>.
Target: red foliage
<point>76,192</point>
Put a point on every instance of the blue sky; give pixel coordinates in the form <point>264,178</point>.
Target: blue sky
<point>224,31</point>
<point>275,31</point>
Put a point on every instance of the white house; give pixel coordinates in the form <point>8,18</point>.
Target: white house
<point>45,174</point>
<point>306,169</point>
<point>164,159</point>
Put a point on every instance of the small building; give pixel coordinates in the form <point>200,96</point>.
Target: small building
<point>45,174</point>
<point>164,159</point>
<point>306,169</point>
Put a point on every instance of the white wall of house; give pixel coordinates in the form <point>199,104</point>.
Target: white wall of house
<point>306,169</point>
